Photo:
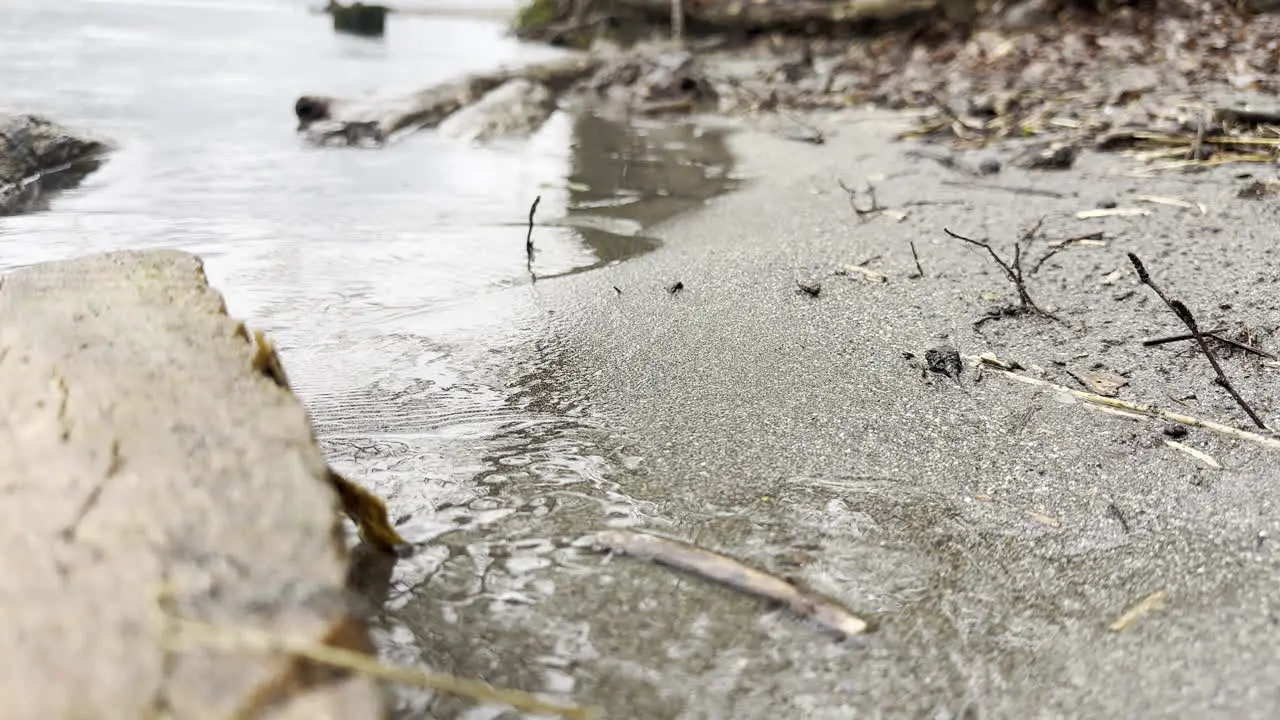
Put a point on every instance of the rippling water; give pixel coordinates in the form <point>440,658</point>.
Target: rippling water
<point>394,281</point>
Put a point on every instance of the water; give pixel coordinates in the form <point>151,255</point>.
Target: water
<point>394,282</point>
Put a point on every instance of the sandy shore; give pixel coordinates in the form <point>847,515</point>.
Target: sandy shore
<point>993,529</point>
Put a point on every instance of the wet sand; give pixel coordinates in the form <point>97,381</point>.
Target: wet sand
<point>992,530</point>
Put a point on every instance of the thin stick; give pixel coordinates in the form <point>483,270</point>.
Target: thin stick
<point>729,572</point>
<point>199,634</point>
<point>1006,188</point>
<point>1175,338</point>
<point>677,19</point>
<point>1059,247</point>
<point>1184,314</point>
<point>914,256</point>
<point>999,368</point>
<point>528,238</point>
<point>1216,335</point>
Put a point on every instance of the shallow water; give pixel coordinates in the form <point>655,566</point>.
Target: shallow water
<point>394,282</point>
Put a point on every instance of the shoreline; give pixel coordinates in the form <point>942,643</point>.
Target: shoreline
<point>804,429</point>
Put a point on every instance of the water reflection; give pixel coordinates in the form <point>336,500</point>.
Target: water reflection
<point>393,282</point>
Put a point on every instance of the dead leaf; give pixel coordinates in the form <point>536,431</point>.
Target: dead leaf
<point>1101,382</point>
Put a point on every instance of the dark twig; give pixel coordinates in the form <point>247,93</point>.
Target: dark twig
<point>1118,515</point>
<point>914,256</point>
<point>1176,338</point>
<point>1216,335</point>
<point>1063,245</point>
<point>528,238</point>
<point>1011,271</point>
<point>1184,314</point>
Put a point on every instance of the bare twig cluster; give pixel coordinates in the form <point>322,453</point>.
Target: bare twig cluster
<point>1012,270</point>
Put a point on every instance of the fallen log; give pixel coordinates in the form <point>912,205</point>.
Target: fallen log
<point>574,23</point>
<point>748,15</point>
<point>38,156</point>
<point>156,469</point>
<point>327,120</point>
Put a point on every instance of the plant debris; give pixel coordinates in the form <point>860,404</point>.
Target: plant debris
<point>1184,314</point>
<point>865,272</point>
<point>1200,455</point>
<point>186,634</point>
<point>1152,602</point>
<point>1004,369</point>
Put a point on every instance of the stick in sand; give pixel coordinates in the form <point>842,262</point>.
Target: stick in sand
<point>528,238</point>
<point>729,572</point>
<point>1184,314</point>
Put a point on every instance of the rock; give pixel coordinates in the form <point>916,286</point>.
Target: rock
<point>517,107</point>
<point>150,468</point>
<point>944,360</point>
<point>653,82</point>
<point>359,19</point>
<point>1027,14</point>
<point>1055,156</point>
<point>38,156</point>
<point>989,166</point>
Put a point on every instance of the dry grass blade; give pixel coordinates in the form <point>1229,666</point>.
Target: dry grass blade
<point>865,272</point>
<point>1154,601</point>
<point>192,633</point>
<point>1200,455</point>
<point>996,367</point>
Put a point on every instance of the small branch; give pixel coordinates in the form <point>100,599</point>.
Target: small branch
<point>1063,245</point>
<point>1012,271</point>
<point>1184,314</point>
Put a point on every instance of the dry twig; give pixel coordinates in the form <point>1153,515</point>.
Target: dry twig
<point>1184,314</point>
<point>1013,270</point>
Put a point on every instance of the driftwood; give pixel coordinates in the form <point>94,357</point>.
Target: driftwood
<point>731,573</point>
<point>326,119</point>
<point>575,22</point>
